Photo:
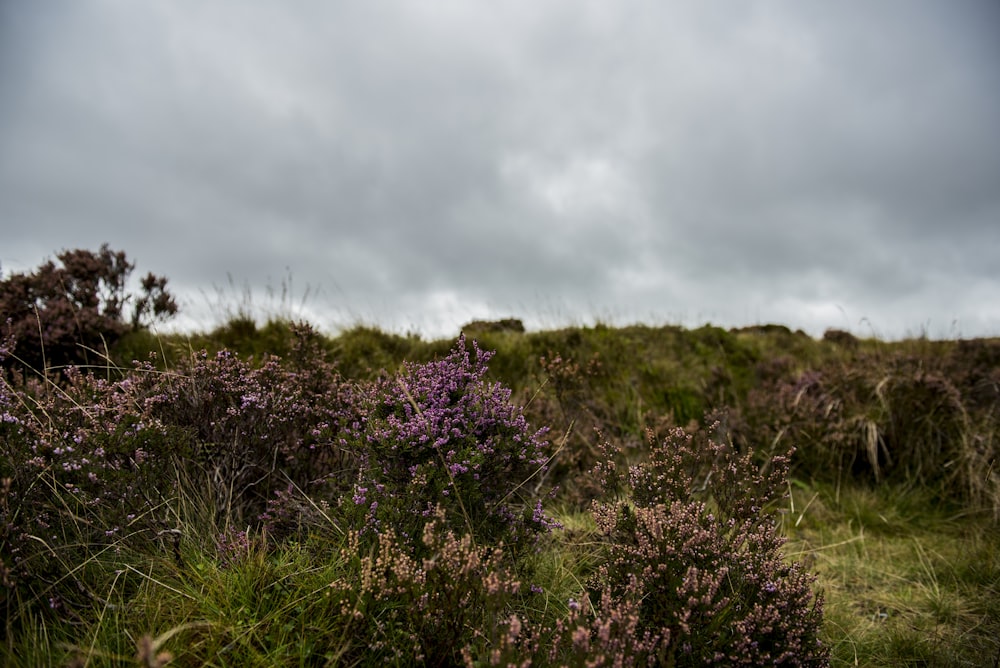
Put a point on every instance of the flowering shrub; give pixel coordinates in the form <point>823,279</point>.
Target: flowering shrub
<point>695,575</point>
<point>93,463</point>
<point>232,546</point>
<point>439,434</point>
<point>59,311</point>
<point>410,610</point>
<point>80,475</point>
<point>249,426</point>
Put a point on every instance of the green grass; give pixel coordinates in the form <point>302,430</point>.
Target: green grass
<point>268,608</point>
<point>570,557</point>
<point>907,582</point>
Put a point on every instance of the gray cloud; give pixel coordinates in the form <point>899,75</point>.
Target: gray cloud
<point>815,164</point>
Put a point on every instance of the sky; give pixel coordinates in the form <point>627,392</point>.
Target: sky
<point>418,165</point>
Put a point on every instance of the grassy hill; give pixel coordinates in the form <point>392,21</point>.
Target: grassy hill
<point>236,511</point>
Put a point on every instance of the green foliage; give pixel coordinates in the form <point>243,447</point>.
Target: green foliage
<point>365,351</point>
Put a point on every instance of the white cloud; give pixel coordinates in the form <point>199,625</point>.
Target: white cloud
<point>421,165</point>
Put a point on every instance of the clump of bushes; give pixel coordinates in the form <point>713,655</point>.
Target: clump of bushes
<point>694,556</point>
<point>387,455</point>
<point>61,313</point>
<point>430,478</point>
<point>90,463</point>
<point>439,435</point>
<point>424,490</point>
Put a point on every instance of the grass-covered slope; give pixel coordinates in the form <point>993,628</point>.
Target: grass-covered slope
<point>266,495</point>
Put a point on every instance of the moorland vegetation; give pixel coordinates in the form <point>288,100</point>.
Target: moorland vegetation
<point>265,494</point>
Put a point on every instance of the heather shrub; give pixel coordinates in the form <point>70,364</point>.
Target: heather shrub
<point>82,478</point>
<point>61,312</point>
<point>610,633</point>
<point>255,428</point>
<point>439,434</point>
<point>92,464</point>
<point>694,573</point>
<point>405,609</point>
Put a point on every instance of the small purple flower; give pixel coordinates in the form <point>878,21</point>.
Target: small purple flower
<point>231,546</point>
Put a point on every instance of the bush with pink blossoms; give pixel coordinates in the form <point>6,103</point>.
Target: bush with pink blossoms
<point>695,553</point>
<point>90,464</point>
<point>404,609</point>
<point>692,573</point>
<point>254,428</point>
<point>440,434</point>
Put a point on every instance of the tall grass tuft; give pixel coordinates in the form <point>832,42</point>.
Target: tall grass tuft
<point>895,417</point>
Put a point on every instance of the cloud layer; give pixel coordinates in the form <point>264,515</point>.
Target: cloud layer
<point>419,165</point>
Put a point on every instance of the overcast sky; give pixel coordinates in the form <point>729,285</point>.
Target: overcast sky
<point>417,165</point>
